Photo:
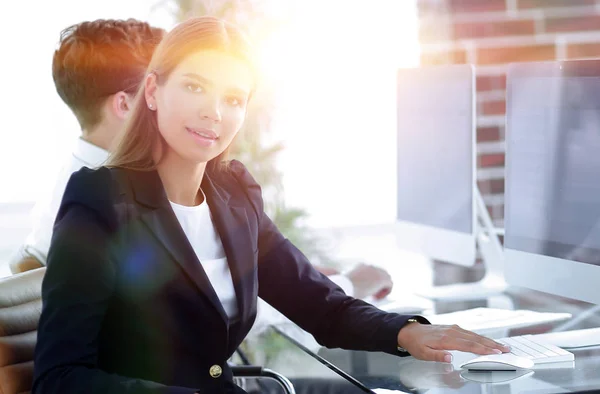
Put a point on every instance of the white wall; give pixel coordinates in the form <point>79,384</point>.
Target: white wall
<point>36,126</point>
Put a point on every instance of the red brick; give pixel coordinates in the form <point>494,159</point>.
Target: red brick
<point>483,187</point>
<point>527,4</point>
<point>494,29</point>
<point>496,186</point>
<point>496,107</point>
<point>583,50</point>
<point>459,6</point>
<point>485,83</point>
<point>504,55</point>
<point>578,23</point>
<point>487,134</point>
<point>457,56</point>
<point>492,186</point>
<point>491,160</point>
<point>495,211</point>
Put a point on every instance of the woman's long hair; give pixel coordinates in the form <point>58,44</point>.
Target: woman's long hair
<point>140,139</point>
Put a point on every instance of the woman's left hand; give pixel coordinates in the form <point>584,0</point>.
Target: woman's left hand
<point>431,342</point>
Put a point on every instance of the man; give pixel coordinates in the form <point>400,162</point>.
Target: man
<point>97,70</point>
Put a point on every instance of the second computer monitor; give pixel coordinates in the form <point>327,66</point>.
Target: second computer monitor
<point>552,204</point>
<point>436,162</point>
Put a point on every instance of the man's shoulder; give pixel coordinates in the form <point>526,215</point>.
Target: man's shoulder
<point>49,196</point>
<point>52,197</point>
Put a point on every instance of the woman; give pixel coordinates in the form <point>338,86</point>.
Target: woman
<point>157,260</point>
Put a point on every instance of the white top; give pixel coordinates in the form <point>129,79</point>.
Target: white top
<point>198,226</point>
<point>46,208</point>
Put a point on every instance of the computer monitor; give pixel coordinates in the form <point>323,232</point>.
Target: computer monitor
<point>552,193</point>
<point>438,203</point>
<point>440,213</point>
<point>436,162</point>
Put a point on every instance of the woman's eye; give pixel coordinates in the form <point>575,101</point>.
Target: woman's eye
<point>235,101</point>
<point>194,88</point>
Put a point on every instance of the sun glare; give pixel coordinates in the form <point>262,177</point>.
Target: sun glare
<point>334,67</point>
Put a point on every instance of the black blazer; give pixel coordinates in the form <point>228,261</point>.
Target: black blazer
<point>127,307</point>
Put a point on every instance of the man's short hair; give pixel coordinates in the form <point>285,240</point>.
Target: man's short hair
<point>97,59</point>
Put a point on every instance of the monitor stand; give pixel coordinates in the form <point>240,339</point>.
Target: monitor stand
<point>489,245</point>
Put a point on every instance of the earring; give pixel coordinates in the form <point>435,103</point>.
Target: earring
<point>150,106</point>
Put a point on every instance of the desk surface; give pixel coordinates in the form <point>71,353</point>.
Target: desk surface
<point>379,370</point>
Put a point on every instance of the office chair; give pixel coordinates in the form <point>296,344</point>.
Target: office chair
<point>20,309</point>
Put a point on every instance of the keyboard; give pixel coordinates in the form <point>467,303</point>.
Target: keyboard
<point>485,319</point>
<point>536,349</point>
<point>405,304</point>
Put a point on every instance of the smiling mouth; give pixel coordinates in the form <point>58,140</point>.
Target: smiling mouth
<point>204,133</point>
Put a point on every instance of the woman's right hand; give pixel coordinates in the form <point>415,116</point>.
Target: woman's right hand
<point>431,342</point>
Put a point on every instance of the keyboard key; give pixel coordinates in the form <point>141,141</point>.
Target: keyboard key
<point>536,350</point>
<point>539,348</point>
<point>558,350</point>
<point>517,348</point>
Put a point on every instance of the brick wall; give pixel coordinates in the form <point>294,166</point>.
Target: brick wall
<point>490,34</point>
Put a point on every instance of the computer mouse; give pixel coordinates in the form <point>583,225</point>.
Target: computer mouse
<point>498,362</point>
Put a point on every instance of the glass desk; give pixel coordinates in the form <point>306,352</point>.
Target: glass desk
<point>380,370</point>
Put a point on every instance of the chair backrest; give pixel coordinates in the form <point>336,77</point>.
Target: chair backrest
<point>20,309</point>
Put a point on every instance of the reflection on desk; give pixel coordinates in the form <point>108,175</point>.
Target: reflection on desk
<point>496,377</point>
<point>378,370</point>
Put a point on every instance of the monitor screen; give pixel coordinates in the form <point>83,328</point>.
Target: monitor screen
<point>436,147</point>
<point>552,197</point>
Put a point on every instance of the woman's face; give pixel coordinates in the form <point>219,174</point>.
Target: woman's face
<point>202,104</point>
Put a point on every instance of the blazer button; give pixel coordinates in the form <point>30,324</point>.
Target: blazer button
<point>215,371</point>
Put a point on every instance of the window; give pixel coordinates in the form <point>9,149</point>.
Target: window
<point>336,62</point>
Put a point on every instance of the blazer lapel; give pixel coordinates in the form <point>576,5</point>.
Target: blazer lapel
<point>231,222</point>
<point>161,220</point>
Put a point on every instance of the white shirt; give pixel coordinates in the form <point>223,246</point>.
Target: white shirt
<point>45,210</point>
<point>198,226</point>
